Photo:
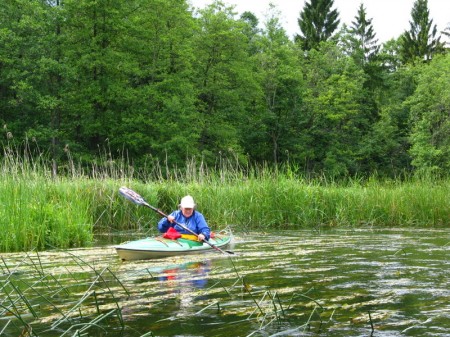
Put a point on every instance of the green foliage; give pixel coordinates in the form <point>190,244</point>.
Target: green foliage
<point>317,22</point>
<point>365,51</point>
<point>155,81</point>
<point>333,104</point>
<point>223,78</point>
<point>430,118</point>
<point>365,43</point>
<point>382,151</point>
<point>421,40</point>
<point>390,55</point>
<point>276,122</point>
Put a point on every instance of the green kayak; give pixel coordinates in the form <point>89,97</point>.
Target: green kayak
<point>158,247</point>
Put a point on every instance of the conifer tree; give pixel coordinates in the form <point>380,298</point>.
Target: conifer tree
<point>421,40</point>
<point>317,23</point>
<point>364,36</point>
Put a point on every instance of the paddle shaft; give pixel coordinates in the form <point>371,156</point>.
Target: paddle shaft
<point>136,198</point>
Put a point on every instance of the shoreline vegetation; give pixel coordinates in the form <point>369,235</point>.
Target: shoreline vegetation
<point>40,211</point>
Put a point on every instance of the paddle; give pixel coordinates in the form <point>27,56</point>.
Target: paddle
<point>137,199</point>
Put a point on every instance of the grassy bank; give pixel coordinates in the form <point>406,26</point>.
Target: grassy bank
<point>42,213</point>
<point>289,203</point>
<point>39,211</point>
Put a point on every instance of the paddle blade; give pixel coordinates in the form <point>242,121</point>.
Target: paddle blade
<point>132,195</point>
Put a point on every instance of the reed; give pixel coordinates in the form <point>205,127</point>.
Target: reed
<point>31,295</point>
<point>282,202</point>
<point>98,300</point>
<point>39,213</point>
<point>39,209</point>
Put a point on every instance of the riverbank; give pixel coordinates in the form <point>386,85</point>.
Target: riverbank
<point>39,212</point>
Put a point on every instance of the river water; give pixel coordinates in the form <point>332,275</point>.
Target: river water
<point>297,283</point>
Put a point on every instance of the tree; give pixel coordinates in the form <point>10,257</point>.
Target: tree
<point>365,43</point>
<point>32,76</point>
<point>420,41</point>
<point>430,118</point>
<point>317,23</point>
<point>365,53</point>
<point>384,149</point>
<point>223,80</point>
<point>133,76</point>
<point>251,30</point>
<point>390,55</point>
<point>272,131</point>
<point>332,107</point>
<point>93,31</point>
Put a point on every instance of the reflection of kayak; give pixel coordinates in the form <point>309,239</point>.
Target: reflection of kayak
<point>157,247</point>
<point>191,273</point>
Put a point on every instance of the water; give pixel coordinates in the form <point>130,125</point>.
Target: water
<point>302,283</point>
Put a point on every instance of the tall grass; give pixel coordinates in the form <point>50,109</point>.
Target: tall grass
<point>42,208</point>
<point>39,213</point>
<point>288,203</point>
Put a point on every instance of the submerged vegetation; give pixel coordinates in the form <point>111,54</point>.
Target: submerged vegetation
<point>40,210</point>
<point>68,294</point>
<point>339,283</point>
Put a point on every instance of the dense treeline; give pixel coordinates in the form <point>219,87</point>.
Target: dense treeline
<point>155,80</point>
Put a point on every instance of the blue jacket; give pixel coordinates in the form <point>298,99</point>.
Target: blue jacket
<point>196,222</point>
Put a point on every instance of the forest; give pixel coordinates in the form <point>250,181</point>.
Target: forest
<point>150,81</point>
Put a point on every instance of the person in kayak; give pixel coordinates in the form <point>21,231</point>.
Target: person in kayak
<point>187,216</point>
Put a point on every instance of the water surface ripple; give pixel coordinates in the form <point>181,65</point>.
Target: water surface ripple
<point>296,283</point>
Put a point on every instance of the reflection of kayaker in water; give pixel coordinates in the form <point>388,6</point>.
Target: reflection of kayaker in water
<point>189,217</point>
<point>193,274</point>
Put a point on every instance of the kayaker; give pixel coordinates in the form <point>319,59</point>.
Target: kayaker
<point>188,216</point>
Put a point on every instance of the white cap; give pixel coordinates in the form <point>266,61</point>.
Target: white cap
<point>187,202</point>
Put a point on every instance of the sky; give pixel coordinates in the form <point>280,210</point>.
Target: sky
<point>390,18</point>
